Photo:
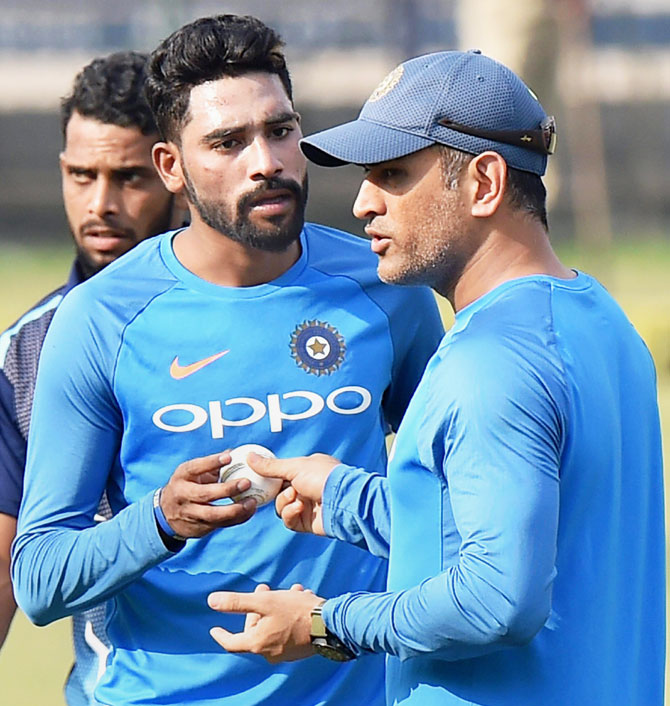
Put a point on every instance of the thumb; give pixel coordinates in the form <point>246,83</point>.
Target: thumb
<point>284,468</point>
<point>228,640</point>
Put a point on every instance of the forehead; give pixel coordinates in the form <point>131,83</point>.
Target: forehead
<point>237,101</point>
<point>89,141</point>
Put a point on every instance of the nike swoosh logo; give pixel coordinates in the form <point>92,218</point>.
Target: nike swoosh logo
<point>179,372</point>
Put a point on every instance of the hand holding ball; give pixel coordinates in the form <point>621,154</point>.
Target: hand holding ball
<point>262,490</point>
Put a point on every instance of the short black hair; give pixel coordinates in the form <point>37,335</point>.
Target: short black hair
<point>525,190</point>
<point>206,50</point>
<point>111,89</point>
<point>526,193</point>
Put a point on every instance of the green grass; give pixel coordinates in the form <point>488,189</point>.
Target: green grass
<point>27,274</point>
<point>35,661</point>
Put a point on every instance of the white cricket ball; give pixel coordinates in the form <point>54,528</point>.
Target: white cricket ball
<point>263,490</point>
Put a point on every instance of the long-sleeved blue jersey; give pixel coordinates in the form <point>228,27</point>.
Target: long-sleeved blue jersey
<point>525,493</point>
<point>325,358</point>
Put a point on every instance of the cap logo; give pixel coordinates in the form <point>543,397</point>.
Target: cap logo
<point>387,85</point>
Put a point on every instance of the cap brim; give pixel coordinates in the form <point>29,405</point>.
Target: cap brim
<point>360,142</point>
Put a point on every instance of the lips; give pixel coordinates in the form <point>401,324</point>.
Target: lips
<point>379,243</point>
<point>105,239</point>
<point>272,201</point>
<point>103,233</point>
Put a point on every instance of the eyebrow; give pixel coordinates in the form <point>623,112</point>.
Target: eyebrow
<point>130,169</point>
<point>222,132</point>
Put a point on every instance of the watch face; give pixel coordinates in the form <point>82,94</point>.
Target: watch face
<point>329,652</point>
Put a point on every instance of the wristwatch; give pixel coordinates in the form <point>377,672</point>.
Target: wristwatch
<point>324,642</point>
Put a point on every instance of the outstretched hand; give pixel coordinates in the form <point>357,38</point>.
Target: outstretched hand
<point>299,504</point>
<point>277,625</point>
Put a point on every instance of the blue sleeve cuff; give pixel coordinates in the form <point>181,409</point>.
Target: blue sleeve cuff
<point>355,507</point>
<point>370,617</point>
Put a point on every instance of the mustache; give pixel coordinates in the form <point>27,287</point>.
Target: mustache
<point>94,224</point>
<point>273,184</point>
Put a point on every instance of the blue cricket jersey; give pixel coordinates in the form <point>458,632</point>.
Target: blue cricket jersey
<point>527,543</point>
<point>325,358</point>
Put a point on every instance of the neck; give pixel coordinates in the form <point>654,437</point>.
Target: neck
<point>507,253</point>
<point>217,259</point>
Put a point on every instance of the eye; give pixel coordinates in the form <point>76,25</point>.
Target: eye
<point>129,177</point>
<point>387,176</point>
<point>228,144</point>
<point>281,131</point>
<point>391,173</point>
<point>81,176</point>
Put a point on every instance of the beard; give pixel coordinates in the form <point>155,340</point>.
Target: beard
<point>434,253</point>
<point>90,264</point>
<point>281,232</point>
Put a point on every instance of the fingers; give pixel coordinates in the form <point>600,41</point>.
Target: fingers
<point>195,467</point>
<point>300,587</point>
<point>220,515</point>
<point>236,641</point>
<point>253,618</point>
<point>280,627</point>
<point>230,602</point>
<point>191,498</point>
<point>189,518</point>
<point>284,468</point>
<point>293,516</point>
<point>213,475</point>
<point>286,497</point>
<point>230,642</point>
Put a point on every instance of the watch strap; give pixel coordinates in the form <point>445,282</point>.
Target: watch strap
<point>324,642</point>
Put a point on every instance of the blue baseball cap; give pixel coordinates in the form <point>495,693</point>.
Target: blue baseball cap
<point>464,100</point>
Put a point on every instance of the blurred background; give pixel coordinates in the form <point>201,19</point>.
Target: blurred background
<point>602,67</point>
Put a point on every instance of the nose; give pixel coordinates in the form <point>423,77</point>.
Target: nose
<point>369,202</point>
<point>264,160</point>
<point>103,199</point>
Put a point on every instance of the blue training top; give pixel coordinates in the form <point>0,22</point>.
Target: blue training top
<point>325,358</point>
<point>527,544</point>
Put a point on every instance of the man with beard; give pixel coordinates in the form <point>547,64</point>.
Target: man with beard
<point>113,199</point>
<point>248,326</point>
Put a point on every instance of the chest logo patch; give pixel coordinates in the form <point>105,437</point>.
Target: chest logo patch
<point>179,372</point>
<point>317,347</point>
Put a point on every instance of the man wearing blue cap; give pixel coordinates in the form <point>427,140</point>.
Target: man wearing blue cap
<point>523,512</point>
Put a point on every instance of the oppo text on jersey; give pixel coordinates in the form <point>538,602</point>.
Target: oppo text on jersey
<point>259,409</point>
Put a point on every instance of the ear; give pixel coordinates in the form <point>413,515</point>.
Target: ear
<point>487,176</point>
<point>167,160</point>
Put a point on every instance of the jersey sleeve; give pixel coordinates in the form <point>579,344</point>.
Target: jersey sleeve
<point>12,451</point>
<point>356,509</point>
<point>416,331</point>
<point>494,434</point>
<point>62,560</point>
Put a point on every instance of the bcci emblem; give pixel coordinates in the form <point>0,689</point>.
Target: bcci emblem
<point>317,347</point>
<point>387,84</point>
